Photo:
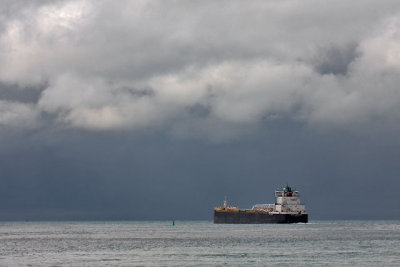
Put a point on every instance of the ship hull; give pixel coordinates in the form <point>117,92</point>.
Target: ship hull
<point>254,217</point>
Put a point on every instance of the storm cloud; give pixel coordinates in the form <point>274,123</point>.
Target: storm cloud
<point>307,61</point>
<point>203,76</point>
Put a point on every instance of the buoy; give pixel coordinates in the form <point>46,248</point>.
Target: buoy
<point>173,223</point>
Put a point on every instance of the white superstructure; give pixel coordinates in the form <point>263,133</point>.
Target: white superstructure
<point>287,202</point>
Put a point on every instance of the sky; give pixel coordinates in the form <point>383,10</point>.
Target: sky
<point>157,110</point>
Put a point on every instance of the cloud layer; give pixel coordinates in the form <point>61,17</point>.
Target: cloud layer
<point>206,68</point>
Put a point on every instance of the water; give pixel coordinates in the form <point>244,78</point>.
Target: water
<point>194,243</point>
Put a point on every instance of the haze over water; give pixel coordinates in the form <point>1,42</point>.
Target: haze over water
<point>198,243</point>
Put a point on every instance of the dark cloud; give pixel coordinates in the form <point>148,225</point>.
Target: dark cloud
<point>155,109</point>
<point>336,60</point>
<point>257,58</point>
<point>14,93</point>
<point>78,175</point>
<point>199,110</point>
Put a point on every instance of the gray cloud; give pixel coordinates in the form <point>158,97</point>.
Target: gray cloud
<point>108,108</point>
<point>336,60</point>
<point>87,175</point>
<point>13,92</point>
<point>261,59</point>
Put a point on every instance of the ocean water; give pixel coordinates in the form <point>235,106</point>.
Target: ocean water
<point>199,243</point>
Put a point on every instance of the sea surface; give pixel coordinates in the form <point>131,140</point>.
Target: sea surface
<point>199,243</point>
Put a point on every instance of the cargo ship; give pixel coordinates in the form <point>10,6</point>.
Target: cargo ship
<point>287,209</point>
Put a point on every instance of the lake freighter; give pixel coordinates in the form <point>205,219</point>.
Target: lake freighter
<point>287,209</point>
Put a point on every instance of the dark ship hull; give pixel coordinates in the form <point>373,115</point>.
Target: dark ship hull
<point>255,217</point>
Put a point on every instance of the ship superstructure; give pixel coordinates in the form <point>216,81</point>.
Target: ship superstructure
<point>287,209</point>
